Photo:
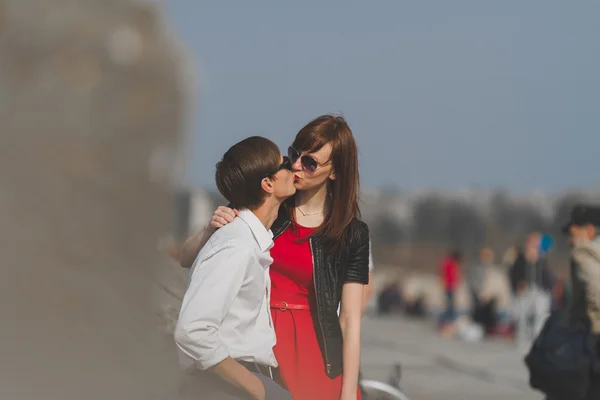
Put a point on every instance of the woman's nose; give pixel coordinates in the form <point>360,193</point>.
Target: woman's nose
<point>297,166</point>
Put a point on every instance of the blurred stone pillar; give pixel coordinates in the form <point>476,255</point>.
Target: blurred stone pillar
<point>92,97</point>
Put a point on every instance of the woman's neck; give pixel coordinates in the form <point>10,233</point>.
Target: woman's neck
<point>313,200</point>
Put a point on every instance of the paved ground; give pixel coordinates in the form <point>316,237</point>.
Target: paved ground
<point>434,368</point>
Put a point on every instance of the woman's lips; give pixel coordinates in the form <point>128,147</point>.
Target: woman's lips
<point>296,178</point>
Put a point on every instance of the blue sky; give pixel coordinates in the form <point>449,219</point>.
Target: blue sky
<point>439,94</point>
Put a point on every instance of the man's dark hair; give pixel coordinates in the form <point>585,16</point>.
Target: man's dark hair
<point>243,167</point>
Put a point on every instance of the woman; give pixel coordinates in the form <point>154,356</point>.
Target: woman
<point>320,259</point>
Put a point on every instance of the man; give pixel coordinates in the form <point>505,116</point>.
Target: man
<point>224,332</point>
<point>584,239</point>
<point>585,232</point>
<point>584,228</point>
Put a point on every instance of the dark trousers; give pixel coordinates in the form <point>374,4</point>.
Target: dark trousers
<point>208,386</point>
<point>449,314</point>
<point>475,299</point>
<point>273,390</point>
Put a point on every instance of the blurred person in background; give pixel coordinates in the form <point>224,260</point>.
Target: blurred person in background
<point>451,278</point>
<point>583,232</point>
<point>321,259</point>
<point>389,299</point>
<point>561,292</point>
<point>224,327</point>
<point>532,283</point>
<point>478,273</point>
<point>509,257</point>
<point>485,302</point>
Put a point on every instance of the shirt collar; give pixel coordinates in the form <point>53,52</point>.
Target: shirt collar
<point>263,237</point>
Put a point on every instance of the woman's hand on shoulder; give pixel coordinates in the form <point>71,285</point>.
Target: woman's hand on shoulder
<point>222,216</point>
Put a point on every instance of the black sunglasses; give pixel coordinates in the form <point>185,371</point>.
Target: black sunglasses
<point>286,164</point>
<point>309,164</point>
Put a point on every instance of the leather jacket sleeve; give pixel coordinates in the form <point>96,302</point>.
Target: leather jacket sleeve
<point>358,260</point>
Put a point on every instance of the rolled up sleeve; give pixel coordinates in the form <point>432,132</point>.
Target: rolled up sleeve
<point>214,285</point>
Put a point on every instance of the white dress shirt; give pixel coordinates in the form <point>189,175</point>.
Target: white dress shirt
<point>225,310</point>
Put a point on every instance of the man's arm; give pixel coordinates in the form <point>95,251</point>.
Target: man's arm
<point>213,287</point>
<point>236,374</point>
<point>192,245</point>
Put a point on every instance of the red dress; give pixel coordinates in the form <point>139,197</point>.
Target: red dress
<point>298,353</point>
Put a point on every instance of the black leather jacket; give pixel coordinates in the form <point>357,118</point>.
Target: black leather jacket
<point>330,272</point>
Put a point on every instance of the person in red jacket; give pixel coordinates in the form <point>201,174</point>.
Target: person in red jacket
<point>451,276</point>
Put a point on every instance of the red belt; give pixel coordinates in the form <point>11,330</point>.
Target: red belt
<point>286,306</point>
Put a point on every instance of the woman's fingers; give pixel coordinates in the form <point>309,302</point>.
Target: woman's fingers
<point>227,213</point>
<point>222,216</point>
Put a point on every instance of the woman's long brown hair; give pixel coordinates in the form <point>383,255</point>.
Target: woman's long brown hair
<point>342,192</point>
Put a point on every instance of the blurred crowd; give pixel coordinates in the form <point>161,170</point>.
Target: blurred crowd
<point>510,298</point>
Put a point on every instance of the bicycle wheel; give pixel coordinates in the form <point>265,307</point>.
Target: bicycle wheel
<point>375,390</point>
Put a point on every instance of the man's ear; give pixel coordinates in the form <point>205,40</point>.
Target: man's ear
<point>267,185</point>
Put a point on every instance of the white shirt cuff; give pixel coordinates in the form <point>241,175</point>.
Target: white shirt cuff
<point>213,358</point>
